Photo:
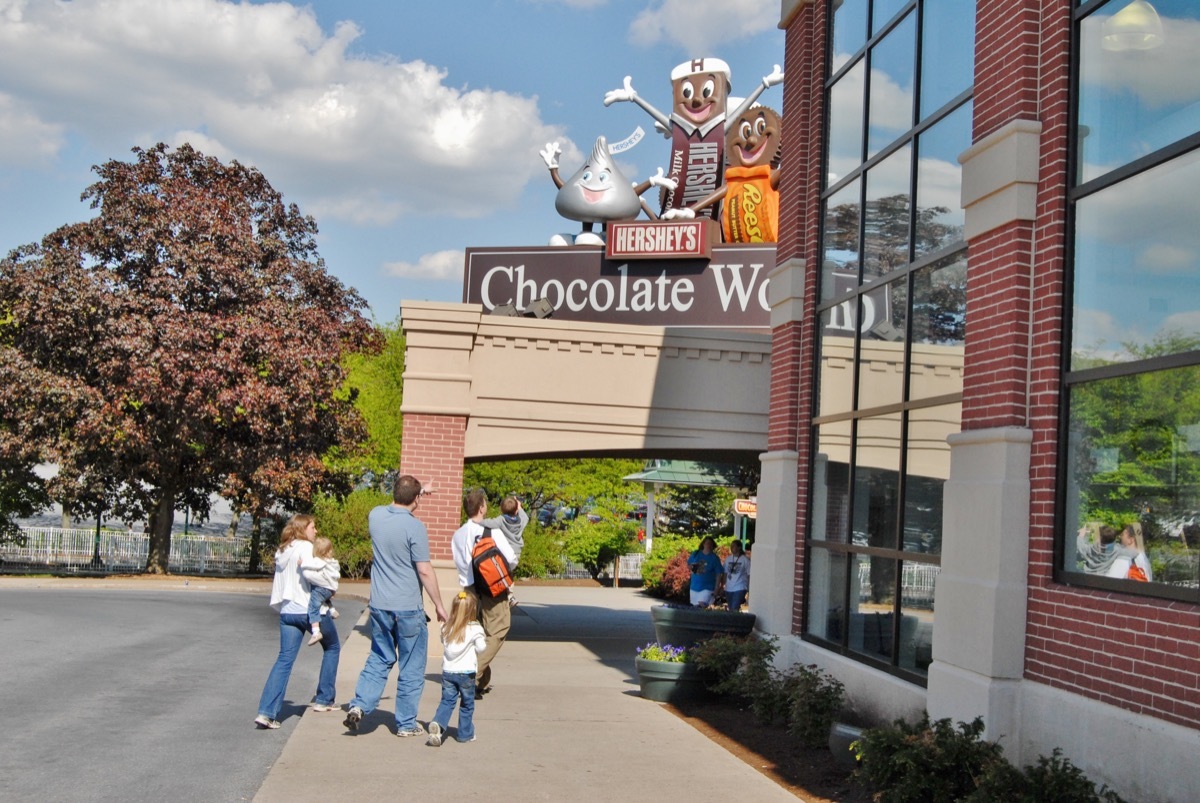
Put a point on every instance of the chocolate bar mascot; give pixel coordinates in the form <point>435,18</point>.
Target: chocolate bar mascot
<point>751,191</point>
<point>597,193</point>
<point>696,127</point>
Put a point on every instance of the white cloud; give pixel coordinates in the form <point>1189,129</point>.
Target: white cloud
<point>364,139</point>
<point>440,265</point>
<point>1097,332</point>
<point>24,138</point>
<point>1167,260</point>
<point>1154,208</point>
<point>572,3</point>
<point>940,184</point>
<point>699,26</point>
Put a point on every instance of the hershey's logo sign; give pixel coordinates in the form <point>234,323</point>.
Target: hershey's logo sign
<point>673,239</point>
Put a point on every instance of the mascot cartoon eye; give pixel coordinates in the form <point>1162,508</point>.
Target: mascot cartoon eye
<point>760,126</point>
<point>587,175</point>
<point>710,89</point>
<point>603,176</point>
<point>687,91</point>
<point>745,130</point>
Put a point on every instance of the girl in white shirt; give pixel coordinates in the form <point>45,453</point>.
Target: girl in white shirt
<point>462,640</point>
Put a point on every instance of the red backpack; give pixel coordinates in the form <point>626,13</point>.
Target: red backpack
<point>492,575</point>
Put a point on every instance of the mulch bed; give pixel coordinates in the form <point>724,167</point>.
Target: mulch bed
<point>809,773</point>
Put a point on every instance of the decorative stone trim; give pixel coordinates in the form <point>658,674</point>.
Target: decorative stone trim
<point>1000,175</point>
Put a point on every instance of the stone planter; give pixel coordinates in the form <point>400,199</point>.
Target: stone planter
<point>685,627</point>
<point>669,681</point>
<point>841,736</point>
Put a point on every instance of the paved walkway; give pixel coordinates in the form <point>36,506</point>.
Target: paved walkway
<point>564,721</point>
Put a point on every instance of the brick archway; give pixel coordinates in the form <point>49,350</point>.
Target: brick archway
<point>481,386</point>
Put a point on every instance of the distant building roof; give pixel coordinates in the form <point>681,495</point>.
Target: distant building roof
<point>688,472</point>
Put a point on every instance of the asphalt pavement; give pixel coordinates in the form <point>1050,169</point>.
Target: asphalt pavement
<point>564,719</point>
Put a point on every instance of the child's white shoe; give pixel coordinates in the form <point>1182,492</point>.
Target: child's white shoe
<point>315,638</point>
<point>324,609</point>
<point>333,613</point>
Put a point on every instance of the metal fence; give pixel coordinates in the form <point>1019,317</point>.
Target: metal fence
<point>916,583</point>
<point>631,568</point>
<point>55,549</point>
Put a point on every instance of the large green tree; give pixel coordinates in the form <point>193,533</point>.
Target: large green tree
<point>184,341</point>
<point>377,380</point>
<point>570,481</point>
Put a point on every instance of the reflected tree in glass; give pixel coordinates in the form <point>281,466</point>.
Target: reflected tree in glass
<point>1135,456</point>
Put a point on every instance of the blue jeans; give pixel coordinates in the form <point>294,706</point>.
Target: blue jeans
<point>293,627</point>
<point>316,598</point>
<point>735,598</point>
<point>454,686</point>
<point>396,637</point>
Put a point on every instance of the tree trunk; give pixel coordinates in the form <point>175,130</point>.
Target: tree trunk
<point>255,545</point>
<point>159,555</point>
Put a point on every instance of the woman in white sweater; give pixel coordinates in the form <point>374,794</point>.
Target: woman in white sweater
<point>289,596</point>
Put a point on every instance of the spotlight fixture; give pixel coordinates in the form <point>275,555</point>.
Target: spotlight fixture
<point>505,311</point>
<point>542,308</point>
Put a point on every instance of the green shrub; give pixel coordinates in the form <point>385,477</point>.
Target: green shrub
<point>542,554</point>
<point>814,698</point>
<point>1053,779</point>
<point>929,762</point>
<point>595,544</point>
<point>770,700</point>
<point>736,665</point>
<point>665,573</point>
<point>344,522</point>
<point>932,761</point>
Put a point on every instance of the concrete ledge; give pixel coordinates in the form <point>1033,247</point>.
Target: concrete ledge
<point>1000,175</point>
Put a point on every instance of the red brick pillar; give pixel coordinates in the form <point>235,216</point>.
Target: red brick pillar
<point>783,504</point>
<point>1009,179</point>
<point>433,453</point>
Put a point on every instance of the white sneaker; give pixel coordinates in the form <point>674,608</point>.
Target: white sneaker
<point>333,613</point>
<point>315,638</point>
<point>435,735</point>
<point>324,609</point>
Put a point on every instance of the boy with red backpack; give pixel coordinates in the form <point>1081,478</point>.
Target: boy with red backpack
<point>494,610</point>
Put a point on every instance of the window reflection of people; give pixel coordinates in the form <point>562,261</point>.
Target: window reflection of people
<point>1096,556</point>
<point>1122,558</point>
<point>1130,561</point>
<point>706,570</point>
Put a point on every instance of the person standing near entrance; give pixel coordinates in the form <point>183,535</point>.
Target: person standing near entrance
<point>399,627</point>
<point>707,569</point>
<point>494,612</point>
<point>737,575</point>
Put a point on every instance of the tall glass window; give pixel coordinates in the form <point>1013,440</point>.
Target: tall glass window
<point>892,318</point>
<point>1130,497</point>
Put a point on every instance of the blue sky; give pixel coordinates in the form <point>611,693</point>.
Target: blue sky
<point>409,130</point>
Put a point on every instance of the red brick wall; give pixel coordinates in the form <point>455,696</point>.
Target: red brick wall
<point>792,345</point>
<point>432,451</point>
<point>1136,653</point>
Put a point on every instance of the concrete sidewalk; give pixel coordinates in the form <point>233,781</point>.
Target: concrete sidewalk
<point>564,721</point>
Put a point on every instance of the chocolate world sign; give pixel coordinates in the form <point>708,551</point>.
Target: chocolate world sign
<point>727,291</point>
